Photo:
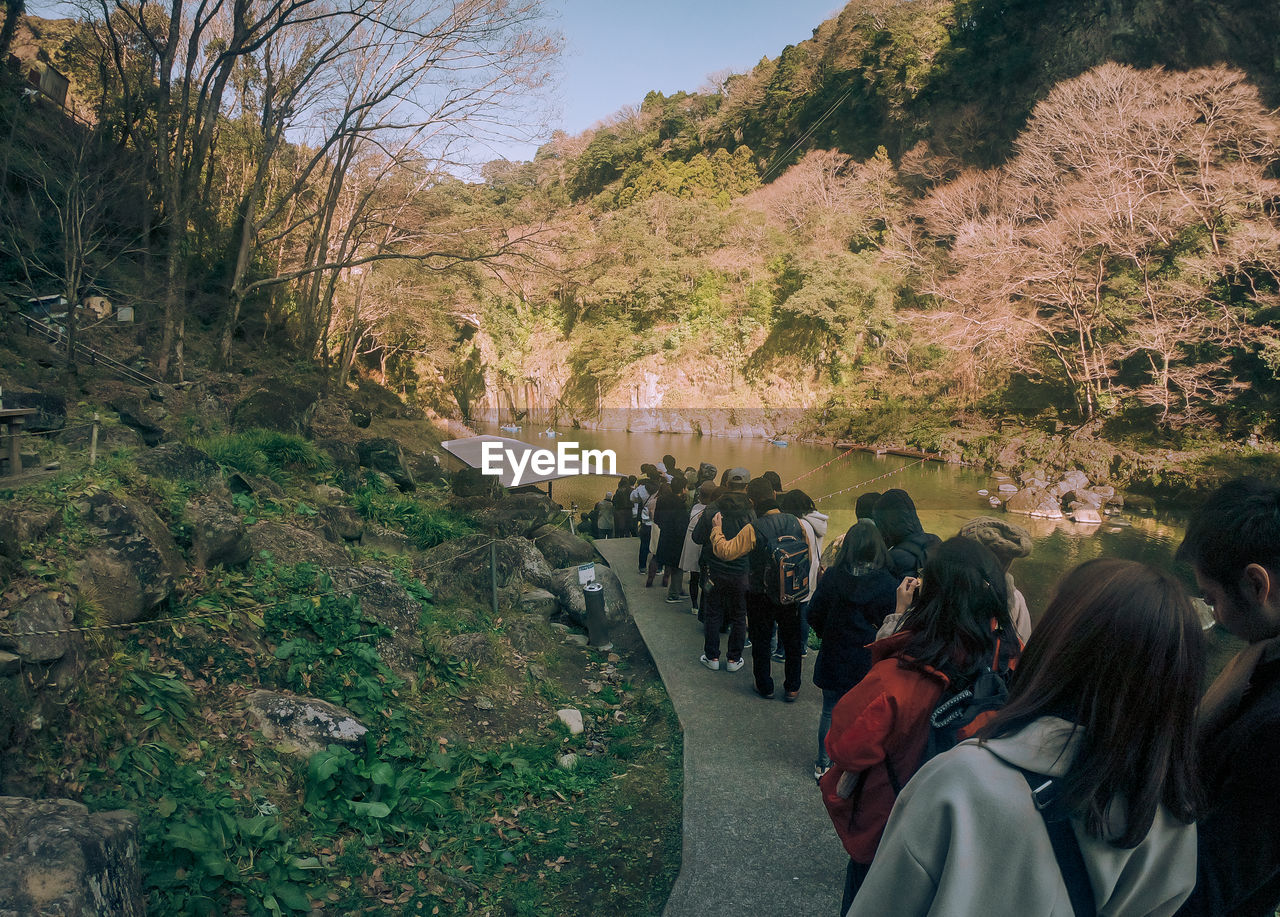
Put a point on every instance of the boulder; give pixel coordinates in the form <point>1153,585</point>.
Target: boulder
<point>33,616</point>
<point>385,600</point>
<point>1076,478</point>
<point>562,549</point>
<point>459,569</point>
<point>277,405</point>
<point>22,526</point>
<point>469,482</point>
<point>304,725</point>
<point>51,410</point>
<point>241,482</point>
<point>473,648</point>
<point>290,545</point>
<point>142,414</point>
<point>58,858</point>
<point>527,634</point>
<point>345,456</point>
<point>218,535</point>
<point>1085,497</point>
<point>1008,488</point>
<point>1034,501</point>
<point>1086,515</point>
<point>134,565</point>
<point>378,538</point>
<point>387,456</point>
<point>565,587</point>
<point>519,514</point>
<point>341,523</point>
<point>178,462</point>
<point>539,602</point>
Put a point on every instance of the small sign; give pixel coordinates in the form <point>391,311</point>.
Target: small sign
<point>586,573</point>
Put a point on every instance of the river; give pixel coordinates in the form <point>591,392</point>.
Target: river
<point>946,496</point>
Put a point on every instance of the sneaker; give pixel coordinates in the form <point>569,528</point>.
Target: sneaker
<point>734,664</point>
<point>779,656</point>
<point>745,646</point>
<point>804,654</point>
<point>819,771</point>
<point>712,664</point>
<point>790,696</point>
<point>694,611</point>
<point>673,600</point>
<point>766,695</point>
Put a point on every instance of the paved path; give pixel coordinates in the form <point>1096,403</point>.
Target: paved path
<point>757,840</point>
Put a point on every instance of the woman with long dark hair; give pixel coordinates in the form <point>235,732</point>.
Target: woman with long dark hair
<point>1101,719</point>
<point>850,603</point>
<point>955,626</point>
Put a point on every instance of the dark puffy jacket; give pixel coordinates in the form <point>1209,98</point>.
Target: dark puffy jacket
<point>735,510</point>
<point>846,611</point>
<point>770,525</point>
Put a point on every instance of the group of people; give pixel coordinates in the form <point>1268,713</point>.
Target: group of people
<point>1090,774</point>
<point>1104,782</point>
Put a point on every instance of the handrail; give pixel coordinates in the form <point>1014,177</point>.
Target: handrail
<point>56,334</point>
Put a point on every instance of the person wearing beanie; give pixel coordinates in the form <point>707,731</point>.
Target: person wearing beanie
<point>865,507</point>
<point>1007,541</point>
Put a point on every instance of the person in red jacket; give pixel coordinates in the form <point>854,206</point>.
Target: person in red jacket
<point>956,620</point>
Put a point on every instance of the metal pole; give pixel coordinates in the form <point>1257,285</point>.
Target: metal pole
<point>93,443</point>
<point>493,575</point>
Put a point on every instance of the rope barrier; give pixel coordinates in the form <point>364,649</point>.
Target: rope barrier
<point>26,433</point>
<point>262,606</point>
<point>887,474</point>
<point>820,467</point>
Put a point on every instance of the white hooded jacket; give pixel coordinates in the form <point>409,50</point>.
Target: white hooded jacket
<point>965,838</point>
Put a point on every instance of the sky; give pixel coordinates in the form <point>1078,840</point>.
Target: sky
<point>615,51</point>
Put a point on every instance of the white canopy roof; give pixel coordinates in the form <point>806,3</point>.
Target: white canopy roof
<point>471,451</point>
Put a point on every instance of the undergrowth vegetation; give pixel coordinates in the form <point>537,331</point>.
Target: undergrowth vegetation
<point>456,799</point>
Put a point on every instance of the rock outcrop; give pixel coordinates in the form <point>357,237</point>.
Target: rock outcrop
<point>304,725</point>
<point>387,456</point>
<point>278,405</point>
<point>459,569</point>
<point>218,535</point>
<point>562,549</point>
<point>565,587</point>
<point>58,858</point>
<point>135,564</point>
<point>519,514</point>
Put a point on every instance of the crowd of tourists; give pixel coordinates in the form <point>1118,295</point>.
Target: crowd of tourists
<point>973,764</point>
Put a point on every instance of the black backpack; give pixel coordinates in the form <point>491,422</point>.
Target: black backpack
<point>954,715</point>
<point>787,565</point>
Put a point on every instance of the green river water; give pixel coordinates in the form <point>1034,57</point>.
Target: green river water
<point>945,495</point>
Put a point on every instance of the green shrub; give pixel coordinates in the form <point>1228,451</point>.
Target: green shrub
<point>265,452</point>
<point>426,525</point>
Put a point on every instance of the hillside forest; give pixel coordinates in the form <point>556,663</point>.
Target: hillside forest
<point>932,213</point>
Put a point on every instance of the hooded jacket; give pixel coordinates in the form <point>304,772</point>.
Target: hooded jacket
<point>878,734</point>
<point>896,518</point>
<point>845,612</point>
<point>966,838</point>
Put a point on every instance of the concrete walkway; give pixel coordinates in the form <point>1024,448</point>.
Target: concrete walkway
<point>757,840</point>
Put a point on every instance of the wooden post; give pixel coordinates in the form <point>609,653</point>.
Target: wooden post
<point>93,443</point>
<point>493,575</point>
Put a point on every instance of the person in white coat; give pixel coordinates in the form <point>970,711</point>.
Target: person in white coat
<point>1103,705</point>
